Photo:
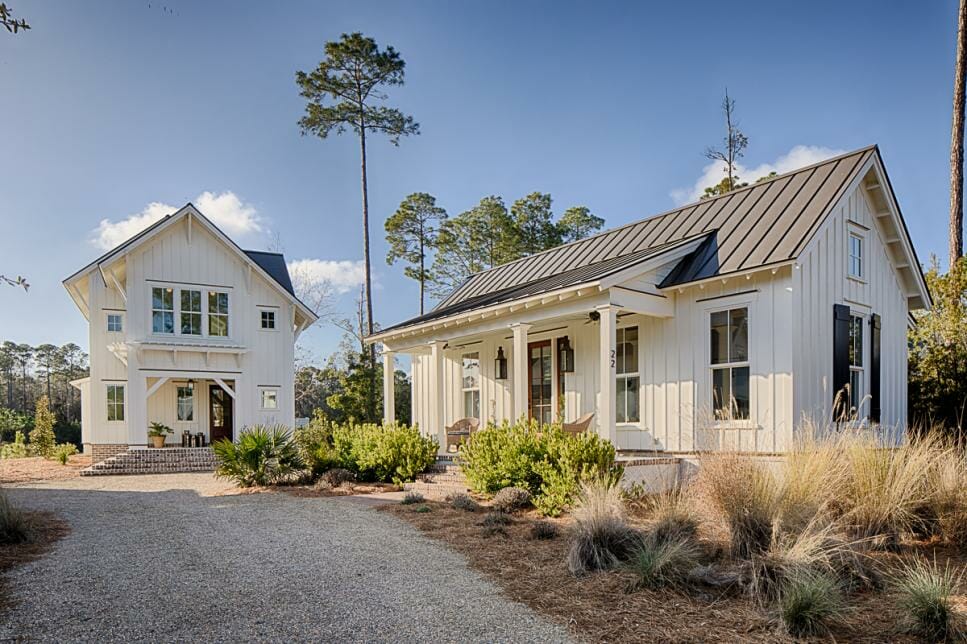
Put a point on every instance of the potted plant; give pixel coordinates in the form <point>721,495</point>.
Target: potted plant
<point>157,434</point>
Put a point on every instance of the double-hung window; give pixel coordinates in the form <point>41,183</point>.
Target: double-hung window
<point>115,402</point>
<point>190,312</point>
<point>729,337</point>
<point>855,261</point>
<point>218,313</point>
<point>626,375</point>
<point>186,403</point>
<point>856,379</point>
<point>470,385</point>
<point>162,310</point>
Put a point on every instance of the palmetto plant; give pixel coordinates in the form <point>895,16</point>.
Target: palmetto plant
<point>262,456</point>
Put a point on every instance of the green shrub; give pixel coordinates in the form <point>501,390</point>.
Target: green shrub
<point>511,498</point>
<point>15,526</point>
<point>423,509</point>
<point>392,453</point>
<point>412,498</point>
<point>68,433</point>
<point>923,594</point>
<point>315,445</point>
<point>809,600</point>
<point>64,451</point>
<point>17,449</point>
<point>42,439</point>
<point>12,422</point>
<point>262,456</point>
<point>546,461</point>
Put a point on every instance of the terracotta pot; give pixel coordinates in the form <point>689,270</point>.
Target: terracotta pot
<point>157,441</point>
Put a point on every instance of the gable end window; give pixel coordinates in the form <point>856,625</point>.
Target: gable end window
<point>217,314</point>
<point>729,340</point>
<point>268,319</point>
<point>162,310</point>
<point>114,323</point>
<point>626,375</point>
<point>855,261</point>
<point>115,402</point>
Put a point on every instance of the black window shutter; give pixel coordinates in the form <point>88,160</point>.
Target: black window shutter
<point>841,402</point>
<point>875,368</point>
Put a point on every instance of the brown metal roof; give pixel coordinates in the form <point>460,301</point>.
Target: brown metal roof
<point>763,224</point>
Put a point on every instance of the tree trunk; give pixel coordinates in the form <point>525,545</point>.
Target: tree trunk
<point>957,143</point>
<point>422,270</point>
<point>367,276</point>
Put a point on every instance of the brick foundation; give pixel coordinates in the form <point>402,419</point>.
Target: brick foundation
<point>101,452</point>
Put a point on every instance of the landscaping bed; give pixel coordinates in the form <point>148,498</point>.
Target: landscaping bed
<point>45,529</point>
<point>37,468</point>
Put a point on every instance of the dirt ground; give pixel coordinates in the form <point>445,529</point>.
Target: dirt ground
<point>22,470</point>
<point>47,530</point>
<point>599,607</point>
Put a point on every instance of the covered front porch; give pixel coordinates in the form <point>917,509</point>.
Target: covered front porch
<point>195,402</point>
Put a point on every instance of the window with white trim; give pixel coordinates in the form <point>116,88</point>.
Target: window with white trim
<point>470,384</point>
<point>729,342</point>
<point>268,319</point>
<point>626,377</point>
<point>162,310</point>
<point>115,323</point>
<point>186,403</point>
<point>115,402</point>
<point>190,312</point>
<point>270,398</point>
<point>855,261</point>
<point>218,313</point>
<point>856,369</point>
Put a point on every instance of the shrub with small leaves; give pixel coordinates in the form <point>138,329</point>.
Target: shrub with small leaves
<point>422,509</point>
<point>511,498</point>
<point>42,438</point>
<point>412,498</point>
<point>64,451</point>
<point>543,530</point>
<point>17,449</point>
<point>463,502</point>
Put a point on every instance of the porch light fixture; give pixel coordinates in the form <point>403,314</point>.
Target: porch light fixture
<point>500,365</point>
<point>190,385</point>
<point>566,358</point>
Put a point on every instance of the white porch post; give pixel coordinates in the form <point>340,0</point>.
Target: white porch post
<point>437,393</point>
<point>520,370</point>
<point>389,391</point>
<point>606,403</point>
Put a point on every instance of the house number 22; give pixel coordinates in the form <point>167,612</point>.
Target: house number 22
<point>612,358</point>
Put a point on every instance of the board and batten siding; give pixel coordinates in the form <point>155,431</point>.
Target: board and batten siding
<point>822,280</point>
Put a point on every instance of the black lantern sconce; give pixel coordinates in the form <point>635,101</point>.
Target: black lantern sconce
<point>190,385</point>
<point>566,358</point>
<point>500,365</point>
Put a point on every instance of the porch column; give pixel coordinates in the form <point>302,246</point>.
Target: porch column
<point>437,393</point>
<point>136,401</point>
<point>606,402</point>
<point>520,370</point>
<point>389,390</point>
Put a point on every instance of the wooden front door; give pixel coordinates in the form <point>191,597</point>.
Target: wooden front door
<point>539,405</point>
<point>220,420</point>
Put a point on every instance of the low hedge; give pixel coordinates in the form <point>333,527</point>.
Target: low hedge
<point>547,461</point>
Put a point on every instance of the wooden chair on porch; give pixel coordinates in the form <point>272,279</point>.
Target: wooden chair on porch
<point>580,425</point>
<point>460,431</point>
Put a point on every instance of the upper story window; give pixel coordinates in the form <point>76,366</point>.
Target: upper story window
<point>626,375</point>
<point>115,402</point>
<point>729,338</point>
<point>857,381</point>
<point>268,319</point>
<point>855,261</point>
<point>218,313</point>
<point>471,385</point>
<point>191,312</point>
<point>162,310</point>
<point>115,323</point>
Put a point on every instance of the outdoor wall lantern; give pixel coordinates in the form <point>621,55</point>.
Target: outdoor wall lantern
<point>500,365</point>
<point>190,385</point>
<point>566,359</point>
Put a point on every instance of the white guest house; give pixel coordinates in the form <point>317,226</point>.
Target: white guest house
<point>186,329</point>
<point>721,324</point>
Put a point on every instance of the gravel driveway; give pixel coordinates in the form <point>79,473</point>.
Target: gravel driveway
<point>157,558</point>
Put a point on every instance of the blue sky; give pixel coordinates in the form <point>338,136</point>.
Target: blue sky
<point>108,107</point>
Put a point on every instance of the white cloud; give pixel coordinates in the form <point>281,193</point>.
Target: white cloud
<point>798,157</point>
<point>235,217</point>
<point>341,276</point>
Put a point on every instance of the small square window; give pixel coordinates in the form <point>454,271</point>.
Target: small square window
<point>114,324</point>
<point>270,399</point>
<point>268,319</point>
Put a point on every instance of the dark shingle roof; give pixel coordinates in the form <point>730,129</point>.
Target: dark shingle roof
<point>274,265</point>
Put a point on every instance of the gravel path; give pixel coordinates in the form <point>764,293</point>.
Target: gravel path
<point>158,558</point>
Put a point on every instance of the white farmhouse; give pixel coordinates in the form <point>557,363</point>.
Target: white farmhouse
<point>721,324</point>
<point>186,329</point>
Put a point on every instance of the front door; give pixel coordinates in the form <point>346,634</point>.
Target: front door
<point>220,416</point>
<point>539,405</point>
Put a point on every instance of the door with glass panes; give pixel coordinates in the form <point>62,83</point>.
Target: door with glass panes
<point>539,395</point>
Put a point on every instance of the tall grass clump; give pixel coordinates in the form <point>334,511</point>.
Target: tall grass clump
<point>660,562</point>
<point>601,538</point>
<point>923,594</point>
<point>262,456</point>
<point>809,601</point>
<point>748,497</point>
<point>672,514</point>
<point>812,476</point>
<point>947,482</point>
<point>15,525</point>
